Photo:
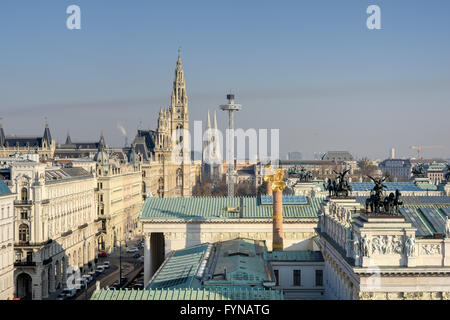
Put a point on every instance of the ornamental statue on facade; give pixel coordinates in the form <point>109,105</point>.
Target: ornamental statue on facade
<point>447,227</point>
<point>447,175</point>
<point>356,245</point>
<point>380,204</point>
<point>418,171</point>
<point>340,187</point>
<point>410,246</point>
<point>301,173</point>
<point>365,246</point>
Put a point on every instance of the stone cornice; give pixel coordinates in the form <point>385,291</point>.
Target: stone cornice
<point>230,221</point>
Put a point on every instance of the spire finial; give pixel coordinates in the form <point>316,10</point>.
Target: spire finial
<point>179,56</point>
<point>46,122</point>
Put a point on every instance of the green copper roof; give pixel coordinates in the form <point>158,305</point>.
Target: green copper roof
<point>240,262</point>
<point>427,186</point>
<point>210,208</point>
<point>312,256</point>
<point>218,293</point>
<point>4,188</point>
<point>179,269</point>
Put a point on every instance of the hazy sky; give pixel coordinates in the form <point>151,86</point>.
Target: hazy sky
<point>310,68</point>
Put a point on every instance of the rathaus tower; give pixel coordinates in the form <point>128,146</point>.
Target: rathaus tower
<point>164,176</point>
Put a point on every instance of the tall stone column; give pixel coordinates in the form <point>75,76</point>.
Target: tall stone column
<point>276,184</point>
<point>277,242</point>
<point>52,277</point>
<point>64,273</point>
<point>58,274</point>
<point>147,259</point>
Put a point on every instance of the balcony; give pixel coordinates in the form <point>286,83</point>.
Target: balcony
<point>24,264</point>
<point>83,226</point>
<point>23,202</point>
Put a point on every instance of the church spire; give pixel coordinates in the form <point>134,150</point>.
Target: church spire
<point>68,140</point>
<point>101,143</point>
<point>2,135</point>
<point>209,122</point>
<point>47,136</point>
<point>215,120</point>
<point>178,111</point>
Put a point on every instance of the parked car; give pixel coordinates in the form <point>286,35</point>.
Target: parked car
<point>88,278</point>
<point>100,269</point>
<point>69,292</point>
<point>102,255</point>
<point>62,296</point>
<point>106,264</point>
<point>132,250</point>
<point>137,256</point>
<point>138,286</point>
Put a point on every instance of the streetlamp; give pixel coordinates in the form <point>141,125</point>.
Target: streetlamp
<point>120,260</point>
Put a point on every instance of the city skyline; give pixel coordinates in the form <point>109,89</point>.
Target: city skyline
<point>325,80</point>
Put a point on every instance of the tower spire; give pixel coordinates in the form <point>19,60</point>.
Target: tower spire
<point>209,122</point>
<point>215,120</point>
<point>2,134</point>
<point>68,140</point>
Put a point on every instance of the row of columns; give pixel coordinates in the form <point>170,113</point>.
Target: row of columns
<point>338,285</point>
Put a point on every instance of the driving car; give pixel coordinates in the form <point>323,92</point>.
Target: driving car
<point>106,264</point>
<point>102,255</point>
<point>132,250</point>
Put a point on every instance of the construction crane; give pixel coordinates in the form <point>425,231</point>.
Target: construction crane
<point>419,149</point>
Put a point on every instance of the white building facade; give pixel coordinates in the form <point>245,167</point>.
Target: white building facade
<point>6,242</point>
<point>55,228</point>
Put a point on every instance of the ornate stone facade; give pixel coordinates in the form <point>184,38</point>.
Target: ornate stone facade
<point>380,258</point>
<point>55,229</point>
<point>6,242</point>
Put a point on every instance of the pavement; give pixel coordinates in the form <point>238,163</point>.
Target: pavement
<point>130,268</point>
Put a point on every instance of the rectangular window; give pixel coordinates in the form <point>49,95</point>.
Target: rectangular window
<point>297,278</point>
<point>277,282</point>
<point>319,278</point>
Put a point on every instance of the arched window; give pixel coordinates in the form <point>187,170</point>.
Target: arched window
<point>24,194</point>
<point>179,178</point>
<point>24,233</point>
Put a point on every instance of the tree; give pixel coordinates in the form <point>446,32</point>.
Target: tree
<point>366,168</point>
<point>245,190</point>
<point>263,188</point>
